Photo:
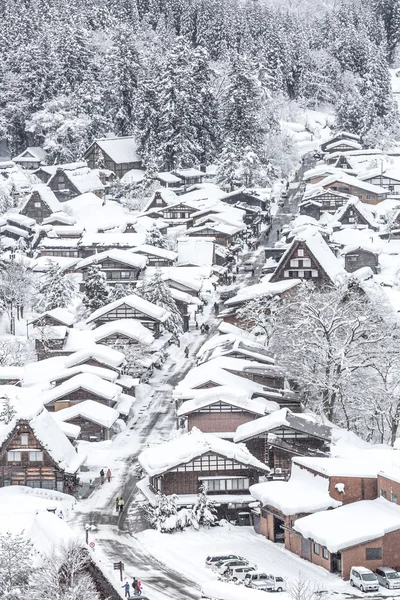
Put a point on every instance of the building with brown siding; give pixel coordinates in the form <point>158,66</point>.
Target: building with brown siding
<point>366,192</point>
<point>94,420</point>
<point>309,257</point>
<point>119,266</point>
<point>183,465</point>
<point>80,388</point>
<point>117,154</point>
<point>35,452</point>
<point>40,204</point>
<point>277,438</point>
<point>221,410</point>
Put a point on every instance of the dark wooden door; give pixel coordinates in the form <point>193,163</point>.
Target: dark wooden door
<point>305,548</point>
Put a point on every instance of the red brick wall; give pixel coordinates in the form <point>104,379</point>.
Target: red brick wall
<point>356,557</point>
<point>355,489</point>
<point>389,486</point>
<point>218,422</point>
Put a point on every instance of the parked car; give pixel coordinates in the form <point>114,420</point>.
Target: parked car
<point>214,558</point>
<point>227,294</point>
<point>236,573</point>
<point>248,266</point>
<point>223,565</point>
<point>388,577</point>
<point>262,581</point>
<point>364,579</point>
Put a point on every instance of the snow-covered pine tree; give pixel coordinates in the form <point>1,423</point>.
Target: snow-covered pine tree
<point>155,290</point>
<point>228,168</point>
<point>96,293</point>
<point>154,237</point>
<point>163,516</point>
<point>204,511</point>
<point>7,410</point>
<point>57,289</point>
<point>16,555</point>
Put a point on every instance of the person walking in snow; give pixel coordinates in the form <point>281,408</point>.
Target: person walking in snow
<point>121,505</point>
<point>138,588</point>
<point>186,352</point>
<point>108,475</point>
<point>102,476</point>
<point>117,504</point>
<point>126,587</point>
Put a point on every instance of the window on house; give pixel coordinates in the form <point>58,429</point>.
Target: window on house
<point>300,252</point>
<point>325,553</point>
<point>316,548</point>
<point>36,456</point>
<point>383,494</point>
<point>125,274</point>
<point>393,498</point>
<point>158,201</point>
<point>24,439</point>
<point>314,273</point>
<point>37,204</point>
<point>373,553</point>
<point>369,197</point>
<point>292,522</point>
<point>14,456</point>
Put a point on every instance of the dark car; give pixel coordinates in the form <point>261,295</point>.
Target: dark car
<point>227,294</point>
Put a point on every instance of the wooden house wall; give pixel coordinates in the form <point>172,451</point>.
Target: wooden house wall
<point>360,258</point>
<point>42,474</point>
<point>90,431</point>
<point>272,381</point>
<point>127,312</point>
<point>75,397</point>
<point>216,422</point>
<point>294,266</point>
<point>120,169</point>
<point>39,212</point>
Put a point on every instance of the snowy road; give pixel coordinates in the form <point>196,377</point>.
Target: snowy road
<point>117,537</point>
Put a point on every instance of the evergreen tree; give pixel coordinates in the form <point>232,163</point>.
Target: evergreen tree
<point>228,168</point>
<point>7,411</point>
<point>154,237</point>
<point>389,12</point>
<point>16,556</point>
<point>96,293</point>
<point>204,511</point>
<point>163,516</point>
<point>155,290</point>
<point>57,289</point>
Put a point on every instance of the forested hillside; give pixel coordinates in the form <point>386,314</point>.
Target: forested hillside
<point>196,80</point>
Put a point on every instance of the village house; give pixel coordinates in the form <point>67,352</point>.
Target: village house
<point>221,410</point>
<point>234,345</point>
<point>132,307</point>
<point>186,304</point>
<point>168,180</point>
<point>277,438</point>
<point>383,177</point>
<point>222,233</point>
<point>248,198</point>
<point>94,243</point>
<point>156,257</point>
<point>60,219</point>
<point>96,355</point>
<point>117,154</point>
<point>60,247</point>
<point>119,266</point>
<point>95,420</point>
<point>320,201</point>
<point>46,172</point>
<point>356,214</point>
<point>357,257</point>
<point>123,332</point>
<point>70,182</point>
<point>161,198</point>
<point>21,221</point>
<point>366,192</point>
<point>208,375</point>
<point>31,158</point>
<point>189,176</point>
<point>309,257</point>
<point>40,204</point>
<point>343,145</point>
<point>79,388</point>
<point>341,136</point>
<point>177,213</point>
<point>54,317</point>
<point>34,452</point>
<point>269,375</point>
<point>183,465</point>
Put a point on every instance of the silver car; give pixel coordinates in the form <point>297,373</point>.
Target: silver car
<point>222,566</point>
<point>388,577</point>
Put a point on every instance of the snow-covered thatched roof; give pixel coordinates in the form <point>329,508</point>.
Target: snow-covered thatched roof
<point>135,302</point>
<point>86,381</point>
<point>187,447</point>
<point>121,256</point>
<point>119,149</point>
<point>90,410</point>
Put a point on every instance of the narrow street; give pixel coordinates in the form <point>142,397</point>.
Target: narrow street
<point>117,537</point>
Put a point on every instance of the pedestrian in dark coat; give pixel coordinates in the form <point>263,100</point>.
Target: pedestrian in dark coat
<point>117,504</point>
<point>121,505</point>
<point>102,475</point>
<point>126,587</point>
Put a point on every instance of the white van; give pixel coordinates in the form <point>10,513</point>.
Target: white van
<point>262,581</point>
<point>364,579</point>
<point>236,573</point>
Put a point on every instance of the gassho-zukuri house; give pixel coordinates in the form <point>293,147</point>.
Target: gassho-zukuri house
<point>183,465</point>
